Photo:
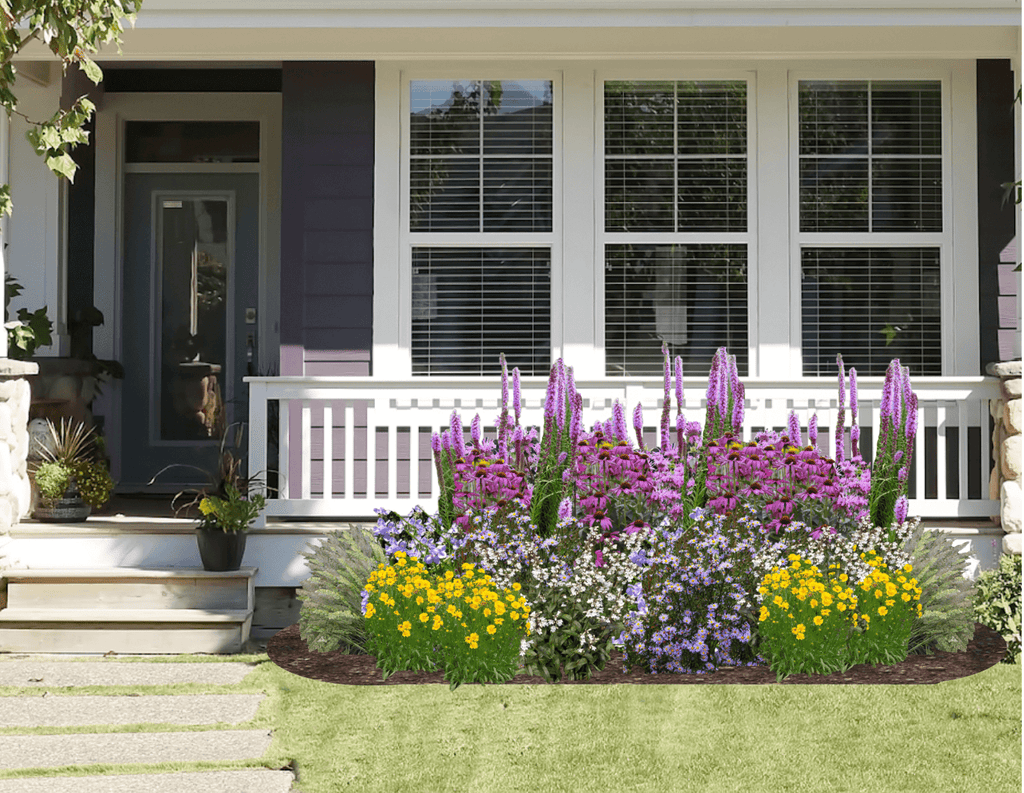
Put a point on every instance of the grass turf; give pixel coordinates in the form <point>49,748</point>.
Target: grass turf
<point>962,735</point>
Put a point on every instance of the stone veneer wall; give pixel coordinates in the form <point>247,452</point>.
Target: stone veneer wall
<point>15,489</point>
<point>1006,439</point>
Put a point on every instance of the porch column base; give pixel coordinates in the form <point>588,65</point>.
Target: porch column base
<point>15,490</point>
<point>1006,445</point>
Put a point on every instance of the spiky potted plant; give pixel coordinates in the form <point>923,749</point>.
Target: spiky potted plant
<point>72,478</point>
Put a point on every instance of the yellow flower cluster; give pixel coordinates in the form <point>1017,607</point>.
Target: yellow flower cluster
<point>441,600</point>
<point>883,591</point>
<point>805,584</point>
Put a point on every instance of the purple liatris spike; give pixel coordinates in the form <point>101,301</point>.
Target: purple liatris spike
<point>712,392</point>
<point>734,380</point>
<point>638,425</point>
<point>911,426</point>
<point>794,428</point>
<point>812,430</point>
<point>619,430</point>
<point>679,385</point>
<point>737,408</point>
<point>560,393</point>
<point>900,512</point>
<point>854,426</point>
<point>841,413</point>
<point>680,432</point>
<point>435,443</point>
<point>458,441</point>
<point>517,396</point>
<point>666,368</point>
<point>565,509</point>
<point>576,423</point>
<point>549,397</point>
<point>474,430</point>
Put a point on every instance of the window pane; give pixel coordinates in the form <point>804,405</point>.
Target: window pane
<point>712,195</point>
<point>906,118</point>
<point>906,194</point>
<point>870,155</point>
<point>464,128</point>
<point>638,195</point>
<point>871,305</point>
<point>833,194</point>
<point>444,194</point>
<point>517,195</point>
<point>676,156</point>
<point>639,118</point>
<point>692,297</point>
<point>471,304</point>
<point>192,141</point>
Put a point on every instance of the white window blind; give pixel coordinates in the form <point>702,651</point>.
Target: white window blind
<point>870,163</point>
<point>481,163</point>
<point>471,304</point>
<point>676,167</point>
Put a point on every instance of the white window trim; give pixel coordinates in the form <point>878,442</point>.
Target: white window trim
<point>685,72</point>
<point>578,195</point>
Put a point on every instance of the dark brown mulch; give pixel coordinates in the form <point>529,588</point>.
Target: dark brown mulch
<point>986,649</point>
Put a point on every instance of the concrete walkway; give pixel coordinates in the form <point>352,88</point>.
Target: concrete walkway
<point>63,708</point>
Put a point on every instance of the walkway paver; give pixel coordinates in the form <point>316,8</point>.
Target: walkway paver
<point>81,711</point>
<point>48,751</point>
<point>242,781</point>
<point>58,674</point>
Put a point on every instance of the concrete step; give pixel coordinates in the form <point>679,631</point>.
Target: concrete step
<point>39,673</point>
<point>128,587</point>
<point>165,631</point>
<point>256,780</point>
<point>96,710</point>
<point>85,749</point>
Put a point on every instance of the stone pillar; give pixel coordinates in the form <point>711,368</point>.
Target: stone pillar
<point>15,490</point>
<point>1006,443</point>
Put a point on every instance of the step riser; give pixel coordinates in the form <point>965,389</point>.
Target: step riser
<point>162,638</point>
<point>157,594</point>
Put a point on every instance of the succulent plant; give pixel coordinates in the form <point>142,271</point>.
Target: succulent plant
<point>331,616</point>
<point>947,597</point>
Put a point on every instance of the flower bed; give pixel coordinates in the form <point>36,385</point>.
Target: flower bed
<point>705,552</point>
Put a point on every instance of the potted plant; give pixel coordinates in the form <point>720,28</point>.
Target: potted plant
<point>72,479</point>
<point>227,506</point>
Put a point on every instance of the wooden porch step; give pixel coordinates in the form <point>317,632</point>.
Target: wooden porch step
<point>127,610</point>
<point>136,588</point>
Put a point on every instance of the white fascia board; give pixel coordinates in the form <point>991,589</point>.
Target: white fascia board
<point>530,16</point>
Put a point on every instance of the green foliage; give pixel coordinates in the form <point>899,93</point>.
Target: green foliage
<point>32,329</point>
<point>233,513</point>
<point>997,603</point>
<point>72,30</point>
<point>563,649</point>
<point>947,597</point>
<point>331,615</point>
<point>52,479</point>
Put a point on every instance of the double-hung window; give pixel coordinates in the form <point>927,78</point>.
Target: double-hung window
<point>481,224</point>
<point>871,228</point>
<point>676,229</point>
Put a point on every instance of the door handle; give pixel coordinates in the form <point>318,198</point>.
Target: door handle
<point>250,354</point>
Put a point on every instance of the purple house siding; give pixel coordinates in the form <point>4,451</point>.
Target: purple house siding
<point>996,284</point>
<point>327,218</point>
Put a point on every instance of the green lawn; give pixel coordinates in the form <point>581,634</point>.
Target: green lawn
<point>964,736</point>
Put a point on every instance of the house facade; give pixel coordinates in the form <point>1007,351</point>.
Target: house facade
<point>328,219</point>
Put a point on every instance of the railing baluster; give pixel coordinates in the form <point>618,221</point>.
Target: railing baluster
<point>392,454</point>
<point>414,457</point>
<point>307,449</point>
<point>328,450</point>
<point>984,460</point>
<point>371,450</point>
<point>350,445</point>
<point>963,455</point>
<point>941,421</point>
<point>258,438</point>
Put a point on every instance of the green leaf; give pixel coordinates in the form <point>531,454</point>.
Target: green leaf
<point>92,71</point>
<point>62,165</point>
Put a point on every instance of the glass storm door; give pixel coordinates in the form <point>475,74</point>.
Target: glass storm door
<point>190,274</point>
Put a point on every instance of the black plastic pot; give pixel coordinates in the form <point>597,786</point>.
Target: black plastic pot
<point>220,550</point>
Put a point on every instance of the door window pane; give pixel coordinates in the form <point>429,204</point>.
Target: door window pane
<point>193,262</point>
<point>192,141</point>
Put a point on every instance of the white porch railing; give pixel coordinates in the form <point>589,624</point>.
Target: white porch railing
<point>369,439</point>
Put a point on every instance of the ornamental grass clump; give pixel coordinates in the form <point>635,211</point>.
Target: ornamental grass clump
<point>418,621</point>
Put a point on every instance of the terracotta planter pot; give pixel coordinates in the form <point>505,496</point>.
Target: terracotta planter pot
<point>220,550</point>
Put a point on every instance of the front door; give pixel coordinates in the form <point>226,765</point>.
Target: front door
<point>190,294</point>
